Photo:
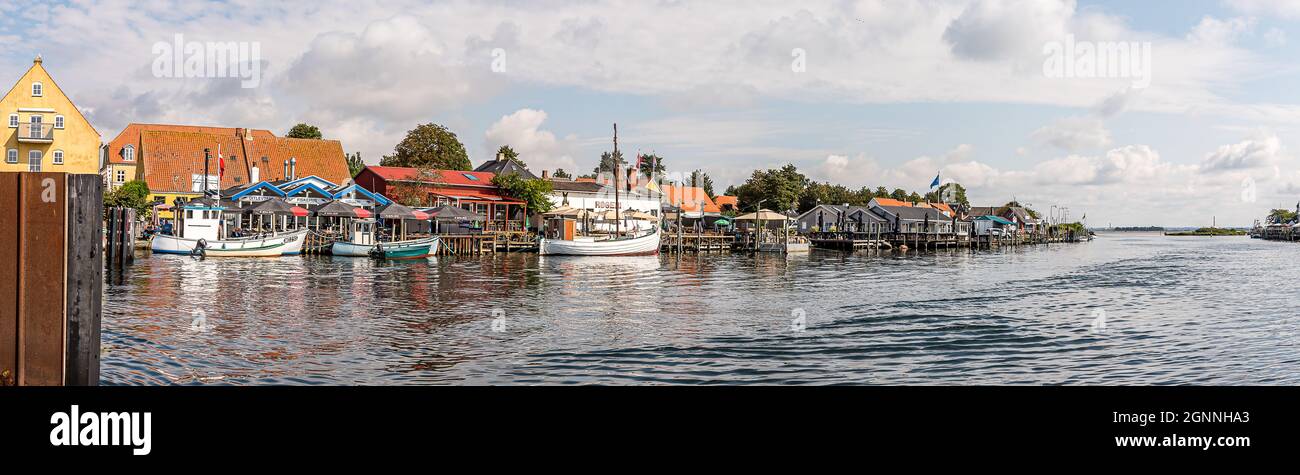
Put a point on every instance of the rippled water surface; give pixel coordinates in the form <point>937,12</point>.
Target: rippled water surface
<point>1176,311</point>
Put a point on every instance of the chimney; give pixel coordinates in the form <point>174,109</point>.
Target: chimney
<point>293,168</point>
<point>544,174</point>
<point>501,157</point>
<point>286,170</point>
<point>255,175</point>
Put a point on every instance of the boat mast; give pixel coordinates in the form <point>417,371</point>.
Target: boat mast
<point>617,229</point>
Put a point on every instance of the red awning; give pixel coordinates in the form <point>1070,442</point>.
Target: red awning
<point>420,215</point>
<point>299,211</point>
<point>363,213</point>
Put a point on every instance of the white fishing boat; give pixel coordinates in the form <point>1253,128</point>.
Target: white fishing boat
<point>644,245</point>
<point>201,231</point>
<point>561,239</point>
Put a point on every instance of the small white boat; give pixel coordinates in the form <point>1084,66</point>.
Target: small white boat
<point>644,245</point>
<point>201,226</point>
<point>361,243</point>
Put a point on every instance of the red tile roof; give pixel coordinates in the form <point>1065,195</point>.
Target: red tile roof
<point>688,197</point>
<point>727,200</point>
<point>449,177</point>
<point>172,157</point>
<point>892,202</point>
<point>132,133</point>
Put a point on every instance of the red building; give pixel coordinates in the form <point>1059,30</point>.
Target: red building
<point>473,191</point>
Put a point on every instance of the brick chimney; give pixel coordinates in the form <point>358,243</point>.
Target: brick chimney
<point>544,174</point>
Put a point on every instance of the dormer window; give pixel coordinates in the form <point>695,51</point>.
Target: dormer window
<point>58,122</point>
<point>128,153</point>
<point>37,89</point>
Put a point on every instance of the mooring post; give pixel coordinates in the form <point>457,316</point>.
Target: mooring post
<point>50,278</point>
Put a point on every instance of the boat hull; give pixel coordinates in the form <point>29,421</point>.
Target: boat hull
<point>417,249</point>
<point>270,246</point>
<point>393,250</point>
<point>647,245</point>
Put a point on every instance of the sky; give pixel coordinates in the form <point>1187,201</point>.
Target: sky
<point>1199,123</point>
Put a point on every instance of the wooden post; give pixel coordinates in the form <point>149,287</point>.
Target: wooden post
<point>41,257</point>
<point>9,215</point>
<point>50,278</point>
<point>85,279</point>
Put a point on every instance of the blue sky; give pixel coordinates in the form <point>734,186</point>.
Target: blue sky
<point>892,92</point>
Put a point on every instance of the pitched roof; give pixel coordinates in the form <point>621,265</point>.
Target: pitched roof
<point>578,186</point>
<point>855,213</point>
<point>911,213</point>
<point>725,200</point>
<point>448,177</point>
<point>688,198</point>
<point>501,167</point>
<point>133,132</point>
<point>892,202</point>
<point>172,158</point>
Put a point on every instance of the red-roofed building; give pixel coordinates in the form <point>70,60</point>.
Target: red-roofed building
<point>473,191</point>
<point>727,203</point>
<point>169,159</point>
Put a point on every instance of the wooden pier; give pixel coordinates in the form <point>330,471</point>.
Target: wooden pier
<point>696,243</point>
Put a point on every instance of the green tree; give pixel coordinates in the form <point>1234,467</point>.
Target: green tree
<point>415,190</point>
<point>899,194</point>
<point>132,194</point>
<point>607,162</point>
<point>701,180</point>
<point>511,155</point>
<point>429,145</point>
<point>881,192</point>
<point>534,192</point>
<point>914,197</point>
<point>304,131</point>
<point>355,164</point>
<point>1281,216</point>
<point>560,173</point>
<point>776,189</point>
<point>652,165</point>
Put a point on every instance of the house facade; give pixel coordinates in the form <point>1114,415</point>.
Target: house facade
<point>469,190</point>
<point>44,130</point>
<point>840,218</point>
<point>170,159</point>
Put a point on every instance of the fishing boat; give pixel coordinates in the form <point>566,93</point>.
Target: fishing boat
<point>201,232</point>
<point>644,245</point>
<point>361,242</point>
<point>561,239</point>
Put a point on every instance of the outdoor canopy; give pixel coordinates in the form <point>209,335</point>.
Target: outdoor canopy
<point>398,211</point>
<point>454,213</point>
<point>273,206</point>
<point>339,209</point>
<point>762,215</point>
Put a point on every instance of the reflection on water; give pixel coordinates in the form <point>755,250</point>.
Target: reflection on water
<point>1178,311</point>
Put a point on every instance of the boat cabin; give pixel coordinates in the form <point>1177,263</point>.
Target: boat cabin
<point>362,232</point>
<point>561,227</point>
<point>201,221</point>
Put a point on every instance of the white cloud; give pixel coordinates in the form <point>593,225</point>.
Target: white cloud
<point>540,149</point>
<point>1074,134</point>
<point>1261,151</point>
<point>1213,31</point>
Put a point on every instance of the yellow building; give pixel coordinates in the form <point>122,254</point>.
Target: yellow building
<point>44,130</point>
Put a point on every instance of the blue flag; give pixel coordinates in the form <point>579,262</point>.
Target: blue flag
<point>935,182</point>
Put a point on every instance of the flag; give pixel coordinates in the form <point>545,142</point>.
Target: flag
<point>935,183</point>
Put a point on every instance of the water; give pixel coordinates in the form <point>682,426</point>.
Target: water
<point>1173,311</point>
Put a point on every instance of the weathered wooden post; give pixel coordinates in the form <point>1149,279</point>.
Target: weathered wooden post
<point>51,278</point>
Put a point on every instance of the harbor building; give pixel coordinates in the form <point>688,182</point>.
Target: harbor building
<point>45,131</point>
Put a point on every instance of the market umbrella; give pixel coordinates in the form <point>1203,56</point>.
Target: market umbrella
<point>274,206</point>
<point>396,211</point>
<point>456,213</point>
<point>338,209</point>
<point>762,215</point>
<point>420,215</point>
<point>299,211</point>
<point>722,222</point>
<point>363,213</point>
